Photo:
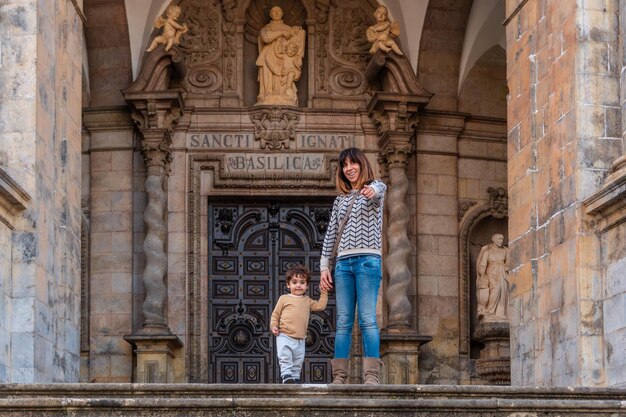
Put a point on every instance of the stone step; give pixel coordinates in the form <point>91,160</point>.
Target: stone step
<point>194,400</point>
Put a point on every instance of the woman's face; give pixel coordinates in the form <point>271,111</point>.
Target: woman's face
<point>352,171</point>
<point>498,240</point>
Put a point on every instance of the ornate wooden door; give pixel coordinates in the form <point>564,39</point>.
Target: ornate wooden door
<point>251,246</point>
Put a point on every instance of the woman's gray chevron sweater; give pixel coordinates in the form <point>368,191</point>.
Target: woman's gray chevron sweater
<point>362,233</point>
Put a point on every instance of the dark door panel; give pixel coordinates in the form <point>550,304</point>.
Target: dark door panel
<point>251,246</point>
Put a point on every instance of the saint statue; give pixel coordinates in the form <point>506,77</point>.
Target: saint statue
<point>281,49</point>
<point>382,34</point>
<point>492,286</point>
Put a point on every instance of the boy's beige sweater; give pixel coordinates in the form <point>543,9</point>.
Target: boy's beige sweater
<point>291,314</point>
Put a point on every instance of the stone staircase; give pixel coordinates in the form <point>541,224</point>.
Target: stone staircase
<point>194,400</point>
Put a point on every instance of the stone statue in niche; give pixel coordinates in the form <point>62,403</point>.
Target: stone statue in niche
<point>382,34</point>
<point>281,49</point>
<point>492,285</point>
<point>172,30</point>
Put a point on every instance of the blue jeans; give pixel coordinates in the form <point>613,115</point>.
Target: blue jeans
<point>357,279</point>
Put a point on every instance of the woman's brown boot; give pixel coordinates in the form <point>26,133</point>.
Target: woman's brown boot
<point>340,370</point>
<point>371,367</point>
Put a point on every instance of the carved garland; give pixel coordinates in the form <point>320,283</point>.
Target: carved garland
<point>496,207</point>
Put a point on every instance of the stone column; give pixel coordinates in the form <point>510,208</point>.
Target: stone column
<point>154,343</point>
<point>395,116</point>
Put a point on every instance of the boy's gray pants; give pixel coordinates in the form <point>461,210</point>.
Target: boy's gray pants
<point>290,353</point>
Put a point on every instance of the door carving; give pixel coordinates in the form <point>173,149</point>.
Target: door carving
<point>251,246</point>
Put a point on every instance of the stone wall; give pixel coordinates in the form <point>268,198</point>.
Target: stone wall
<point>458,159</point>
<point>5,302</point>
<point>563,117</point>
<point>613,251</point>
<point>40,150</point>
<point>111,197</point>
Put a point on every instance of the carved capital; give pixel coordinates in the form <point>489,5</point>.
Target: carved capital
<point>274,127</point>
<point>396,117</point>
<point>156,114</point>
<point>395,153</point>
<point>155,147</point>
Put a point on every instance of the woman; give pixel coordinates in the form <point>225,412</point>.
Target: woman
<point>358,271</point>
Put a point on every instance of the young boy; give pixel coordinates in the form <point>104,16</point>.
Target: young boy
<point>290,321</point>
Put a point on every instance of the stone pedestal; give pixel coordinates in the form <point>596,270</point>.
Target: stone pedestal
<point>154,355</point>
<point>400,353</point>
<point>494,365</point>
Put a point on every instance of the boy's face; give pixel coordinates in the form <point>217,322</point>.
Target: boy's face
<point>297,285</point>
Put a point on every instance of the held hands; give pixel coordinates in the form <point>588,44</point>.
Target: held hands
<point>326,281</point>
<point>275,331</point>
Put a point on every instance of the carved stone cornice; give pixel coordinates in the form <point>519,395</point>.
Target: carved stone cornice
<point>106,119</point>
<point>13,197</point>
<point>395,112</point>
<point>608,205</point>
<point>156,110</point>
<point>396,117</point>
<point>274,127</point>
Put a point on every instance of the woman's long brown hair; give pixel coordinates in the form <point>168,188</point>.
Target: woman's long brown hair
<point>365,176</point>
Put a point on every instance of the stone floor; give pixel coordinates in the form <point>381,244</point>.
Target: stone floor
<point>191,400</point>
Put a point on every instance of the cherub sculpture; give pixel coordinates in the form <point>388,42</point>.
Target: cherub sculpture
<point>382,34</point>
<point>172,30</point>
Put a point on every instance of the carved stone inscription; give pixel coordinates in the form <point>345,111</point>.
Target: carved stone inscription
<point>268,164</point>
<point>230,141</point>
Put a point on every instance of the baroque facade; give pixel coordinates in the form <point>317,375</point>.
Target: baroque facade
<point>150,205</point>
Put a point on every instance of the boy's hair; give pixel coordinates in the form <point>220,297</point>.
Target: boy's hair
<point>366,175</point>
<point>301,270</point>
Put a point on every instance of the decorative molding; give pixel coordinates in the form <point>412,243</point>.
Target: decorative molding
<point>498,202</point>
<point>224,178</point>
<point>608,206</point>
<point>107,119</point>
<point>12,196</point>
<point>465,205</point>
<point>84,277</point>
<point>274,127</point>
<point>394,74</point>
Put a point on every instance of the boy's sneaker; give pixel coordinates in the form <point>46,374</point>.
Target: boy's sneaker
<point>289,381</point>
